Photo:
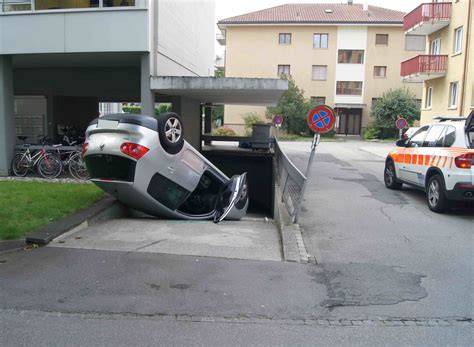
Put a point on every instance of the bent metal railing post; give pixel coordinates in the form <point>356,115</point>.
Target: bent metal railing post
<point>293,181</point>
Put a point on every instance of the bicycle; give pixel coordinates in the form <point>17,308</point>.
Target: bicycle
<point>73,160</point>
<point>47,165</point>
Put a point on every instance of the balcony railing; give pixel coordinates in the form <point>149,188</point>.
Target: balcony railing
<point>428,12</point>
<point>426,66</point>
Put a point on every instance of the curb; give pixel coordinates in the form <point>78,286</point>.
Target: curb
<point>100,211</point>
<point>293,246</point>
<point>9,245</point>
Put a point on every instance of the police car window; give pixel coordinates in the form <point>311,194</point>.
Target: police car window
<point>470,136</point>
<point>418,138</point>
<point>434,135</point>
<point>450,137</point>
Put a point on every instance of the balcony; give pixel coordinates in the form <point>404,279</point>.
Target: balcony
<point>424,67</point>
<point>221,39</point>
<point>427,18</point>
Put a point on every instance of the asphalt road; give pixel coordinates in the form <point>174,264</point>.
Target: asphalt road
<point>366,235</point>
<point>390,273</point>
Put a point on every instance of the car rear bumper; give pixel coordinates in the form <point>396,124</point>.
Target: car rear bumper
<point>461,192</point>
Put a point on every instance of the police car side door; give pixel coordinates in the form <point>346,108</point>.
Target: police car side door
<point>428,153</point>
<point>408,168</point>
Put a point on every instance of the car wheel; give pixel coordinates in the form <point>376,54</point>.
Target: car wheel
<point>171,132</point>
<point>436,194</point>
<point>390,177</point>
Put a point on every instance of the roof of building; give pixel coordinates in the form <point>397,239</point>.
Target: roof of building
<point>319,14</point>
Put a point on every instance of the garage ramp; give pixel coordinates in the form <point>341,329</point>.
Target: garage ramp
<point>250,238</point>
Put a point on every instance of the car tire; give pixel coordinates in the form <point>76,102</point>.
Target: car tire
<point>171,132</point>
<point>390,176</point>
<point>436,194</point>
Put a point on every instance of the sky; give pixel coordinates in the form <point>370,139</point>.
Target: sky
<point>230,8</point>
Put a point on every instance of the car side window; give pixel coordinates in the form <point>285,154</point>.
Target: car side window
<point>418,138</point>
<point>449,137</point>
<point>434,137</point>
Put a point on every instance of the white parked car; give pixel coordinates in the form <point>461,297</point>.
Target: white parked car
<point>438,158</point>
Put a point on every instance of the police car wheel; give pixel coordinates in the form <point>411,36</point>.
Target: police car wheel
<point>171,132</point>
<point>436,194</point>
<point>390,177</point>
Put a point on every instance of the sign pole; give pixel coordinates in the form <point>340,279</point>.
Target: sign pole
<point>314,144</point>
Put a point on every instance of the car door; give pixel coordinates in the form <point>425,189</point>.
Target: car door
<point>408,170</point>
<point>431,151</point>
<point>233,199</point>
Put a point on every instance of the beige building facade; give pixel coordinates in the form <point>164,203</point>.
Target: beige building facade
<point>344,63</point>
<point>446,67</point>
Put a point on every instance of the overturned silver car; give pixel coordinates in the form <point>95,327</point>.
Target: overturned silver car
<point>146,164</point>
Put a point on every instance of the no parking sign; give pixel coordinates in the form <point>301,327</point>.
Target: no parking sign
<point>321,119</point>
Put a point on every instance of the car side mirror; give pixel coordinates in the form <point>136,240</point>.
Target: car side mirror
<point>401,143</point>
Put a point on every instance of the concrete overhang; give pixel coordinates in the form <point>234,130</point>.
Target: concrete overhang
<point>223,90</point>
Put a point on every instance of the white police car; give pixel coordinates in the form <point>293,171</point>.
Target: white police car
<point>438,158</point>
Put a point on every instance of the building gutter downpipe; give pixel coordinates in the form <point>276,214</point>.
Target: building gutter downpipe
<point>464,76</point>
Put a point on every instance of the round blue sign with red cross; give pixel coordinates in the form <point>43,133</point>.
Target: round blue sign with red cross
<point>321,119</point>
<point>278,120</point>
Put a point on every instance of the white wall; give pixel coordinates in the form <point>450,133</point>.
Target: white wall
<point>185,38</point>
<point>75,31</point>
<point>351,37</point>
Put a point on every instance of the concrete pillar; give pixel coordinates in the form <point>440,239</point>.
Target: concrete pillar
<point>207,121</point>
<point>147,95</point>
<point>7,120</point>
<point>51,129</point>
<point>190,112</point>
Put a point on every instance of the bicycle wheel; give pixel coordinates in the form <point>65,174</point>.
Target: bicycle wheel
<point>49,166</point>
<point>77,167</point>
<point>20,165</point>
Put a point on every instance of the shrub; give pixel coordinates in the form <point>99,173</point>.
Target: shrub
<point>294,109</point>
<point>394,103</point>
<point>224,131</point>
<point>372,132</point>
<point>162,108</point>
<point>250,119</point>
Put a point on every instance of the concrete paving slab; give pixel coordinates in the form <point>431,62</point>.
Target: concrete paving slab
<point>252,239</point>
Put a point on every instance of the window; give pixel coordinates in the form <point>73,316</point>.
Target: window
<point>25,5</point>
<point>348,88</point>
<point>320,40</point>
<point>283,70</point>
<point>435,48</point>
<point>429,97</point>
<point>380,71</point>
<point>15,5</point>
<point>415,42</point>
<point>449,137</point>
<point>434,137</point>
<point>284,39</point>
<point>319,100</point>
<point>346,56</point>
<point>453,94</point>
<point>381,39</point>
<point>418,138</point>
<point>374,101</point>
<point>320,72</point>
<point>458,40</point>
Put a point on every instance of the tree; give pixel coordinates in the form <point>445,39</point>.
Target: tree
<point>395,102</point>
<point>293,108</point>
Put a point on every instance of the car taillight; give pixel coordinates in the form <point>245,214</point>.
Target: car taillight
<point>85,147</point>
<point>464,161</point>
<point>133,150</point>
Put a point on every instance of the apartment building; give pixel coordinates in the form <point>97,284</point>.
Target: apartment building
<point>60,58</point>
<point>343,55</point>
<point>446,67</point>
